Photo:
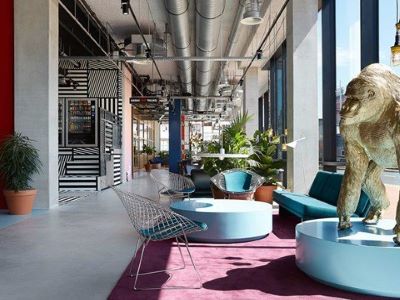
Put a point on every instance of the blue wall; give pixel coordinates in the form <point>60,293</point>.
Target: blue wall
<point>174,136</point>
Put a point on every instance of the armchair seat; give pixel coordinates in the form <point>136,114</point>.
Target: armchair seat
<point>170,228</point>
<point>238,183</point>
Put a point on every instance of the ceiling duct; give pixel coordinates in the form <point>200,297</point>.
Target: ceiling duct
<point>208,28</point>
<point>178,12</point>
<point>136,46</point>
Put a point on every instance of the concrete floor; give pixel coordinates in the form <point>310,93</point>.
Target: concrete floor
<point>77,251</point>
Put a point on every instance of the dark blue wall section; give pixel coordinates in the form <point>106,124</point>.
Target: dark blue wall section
<point>174,136</point>
<point>369,32</point>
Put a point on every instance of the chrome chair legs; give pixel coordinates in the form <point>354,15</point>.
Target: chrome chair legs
<point>137,273</point>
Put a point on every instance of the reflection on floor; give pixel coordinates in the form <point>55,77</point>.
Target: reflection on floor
<point>69,196</point>
<point>7,220</point>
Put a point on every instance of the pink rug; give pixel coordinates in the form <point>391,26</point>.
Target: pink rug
<point>263,269</point>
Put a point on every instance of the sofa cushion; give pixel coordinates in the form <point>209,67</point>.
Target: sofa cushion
<point>237,181</point>
<point>305,206</point>
<point>326,187</point>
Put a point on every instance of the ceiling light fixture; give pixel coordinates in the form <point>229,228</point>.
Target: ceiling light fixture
<point>251,15</point>
<point>396,47</point>
<point>125,7</point>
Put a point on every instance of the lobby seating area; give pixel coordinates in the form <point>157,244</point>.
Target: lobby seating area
<point>200,149</point>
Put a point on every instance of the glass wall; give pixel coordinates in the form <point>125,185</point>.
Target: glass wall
<point>348,55</point>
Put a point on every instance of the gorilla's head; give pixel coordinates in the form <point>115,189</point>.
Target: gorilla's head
<point>368,95</point>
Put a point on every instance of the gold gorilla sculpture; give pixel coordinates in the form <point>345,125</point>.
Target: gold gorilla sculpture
<point>370,126</point>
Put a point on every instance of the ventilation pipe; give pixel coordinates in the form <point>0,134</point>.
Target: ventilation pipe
<point>208,28</point>
<point>232,40</point>
<point>178,12</point>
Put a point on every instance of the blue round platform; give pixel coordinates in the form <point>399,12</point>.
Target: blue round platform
<point>361,259</point>
<point>228,221</point>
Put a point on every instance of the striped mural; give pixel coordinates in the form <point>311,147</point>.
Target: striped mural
<point>79,168</point>
<point>103,83</point>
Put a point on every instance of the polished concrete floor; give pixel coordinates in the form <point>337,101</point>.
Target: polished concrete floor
<point>77,251</point>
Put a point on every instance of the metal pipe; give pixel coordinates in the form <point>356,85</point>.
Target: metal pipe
<point>208,28</point>
<point>167,58</point>
<point>178,11</point>
<point>232,40</point>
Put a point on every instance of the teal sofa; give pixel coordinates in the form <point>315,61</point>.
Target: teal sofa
<point>321,200</point>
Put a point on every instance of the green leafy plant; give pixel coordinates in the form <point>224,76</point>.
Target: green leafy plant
<point>19,161</point>
<point>264,148</point>
<point>148,149</point>
<point>234,140</point>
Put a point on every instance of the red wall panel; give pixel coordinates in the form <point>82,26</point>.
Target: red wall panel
<point>6,74</point>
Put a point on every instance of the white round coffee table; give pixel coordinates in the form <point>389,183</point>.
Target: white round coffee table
<point>228,221</point>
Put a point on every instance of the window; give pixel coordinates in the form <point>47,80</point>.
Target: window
<point>348,56</point>
<point>278,91</point>
<point>164,137</point>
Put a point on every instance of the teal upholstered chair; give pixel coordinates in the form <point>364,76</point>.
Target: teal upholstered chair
<point>238,183</point>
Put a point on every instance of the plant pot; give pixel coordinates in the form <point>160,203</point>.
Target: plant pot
<point>20,203</point>
<point>264,193</point>
<point>216,192</point>
<point>147,167</point>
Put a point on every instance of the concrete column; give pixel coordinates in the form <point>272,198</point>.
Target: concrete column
<point>126,171</point>
<point>302,103</point>
<point>175,136</point>
<point>250,99</point>
<point>36,88</point>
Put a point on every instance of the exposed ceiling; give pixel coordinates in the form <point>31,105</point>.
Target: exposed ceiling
<point>153,19</point>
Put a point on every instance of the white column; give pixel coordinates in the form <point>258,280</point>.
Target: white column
<point>126,172</point>
<point>36,88</point>
<point>302,103</point>
<point>250,99</point>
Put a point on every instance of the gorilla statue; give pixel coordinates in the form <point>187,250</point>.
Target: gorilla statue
<point>370,126</point>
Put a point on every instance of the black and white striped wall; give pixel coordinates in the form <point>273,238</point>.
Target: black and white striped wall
<point>102,80</point>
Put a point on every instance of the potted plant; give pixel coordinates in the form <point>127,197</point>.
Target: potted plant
<point>264,147</point>
<point>234,140</point>
<point>148,150</point>
<point>19,161</point>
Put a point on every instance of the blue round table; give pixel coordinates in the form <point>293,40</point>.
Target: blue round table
<point>361,259</point>
<point>228,221</point>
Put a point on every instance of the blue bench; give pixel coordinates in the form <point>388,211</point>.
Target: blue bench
<point>321,200</point>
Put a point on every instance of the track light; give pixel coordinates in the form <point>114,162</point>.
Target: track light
<point>259,54</point>
<point>241,82</point>
<point>251,15</point>
<point>125,7</point>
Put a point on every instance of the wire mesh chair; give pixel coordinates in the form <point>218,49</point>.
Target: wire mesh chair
<point>156,223</point>
<point>256,181</point>
<point>175,186</point>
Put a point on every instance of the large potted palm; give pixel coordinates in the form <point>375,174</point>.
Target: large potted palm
<point>19,161</point>
<point>264,148</point>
